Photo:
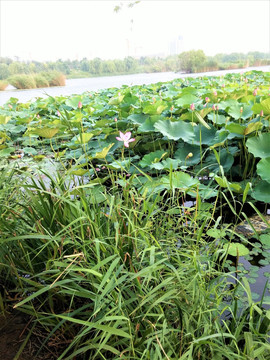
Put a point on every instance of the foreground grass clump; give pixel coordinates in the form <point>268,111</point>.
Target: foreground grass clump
<point>130,249</point>
<point>119,274</point>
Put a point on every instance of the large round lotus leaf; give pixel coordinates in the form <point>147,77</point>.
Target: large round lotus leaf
<point>152,158</point>
<point>259,146</point>
<point>263,106</point>
<point>236,112</point>
<point>204,136</point>
<point>175,130</point>
<point>179,180</point>
<point>45,132</point>
<point>263,169</point>
<point>235,249</point>
<point>261,192</point>
<point>185,150</point>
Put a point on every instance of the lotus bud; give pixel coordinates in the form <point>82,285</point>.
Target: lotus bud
<point>192,107</point>
<point>261,113</point>
<point>255,92</point>
<point>217,107</point>
<point>115,119</point>
<point>223,85</point>
<point>215,93</point>
<point>58,113</point>
<point>38,116</point>
<point>214,107</point>
<point>10,106</point>
<point>241,109</point>
<point>172,107</point>
<point>79,105</point>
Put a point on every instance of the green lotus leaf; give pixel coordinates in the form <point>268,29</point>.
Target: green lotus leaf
<point>152,158</point>
<point>253,126</point>
<point>263,106</point>
<point>261,192</point>
<point>259,146</point>
<point>226,161</point>
<point>263,169</point>
<point>204,136</point>
<point>73,102</point>
<point>179,180</point>
<point>235,249</point>
<point>186,100</point>
<point>45,132</point>
<point>236,128</point>
<point>156,108</point>
<point>167,164</point>
<point>4,119</point>
<point>235,111</point>
<point>216,233</point>
<point>217,119</point>
<point>175,130</point>
<point>149,124</point>
<point>186,149</point>
<point>205,192</point>
<point>83,138</point>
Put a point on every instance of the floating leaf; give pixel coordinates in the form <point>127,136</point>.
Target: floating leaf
<point>216,233</point>
<point>235,249</point>
<point>259,146</point>
<point>175,130</point>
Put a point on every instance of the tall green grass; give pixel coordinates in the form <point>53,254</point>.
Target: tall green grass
<point>117,274</point>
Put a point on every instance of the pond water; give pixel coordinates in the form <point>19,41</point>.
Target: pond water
<point>78,86</point>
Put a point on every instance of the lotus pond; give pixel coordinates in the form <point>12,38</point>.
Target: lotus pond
<point>120,219</point>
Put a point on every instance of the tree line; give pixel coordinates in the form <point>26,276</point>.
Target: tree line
<point>190,61</point>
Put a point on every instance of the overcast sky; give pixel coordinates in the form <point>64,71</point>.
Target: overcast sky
<point>49,30</point>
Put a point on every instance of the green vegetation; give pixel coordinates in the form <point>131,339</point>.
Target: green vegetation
<point>190,61</point>
<point>119,210</point>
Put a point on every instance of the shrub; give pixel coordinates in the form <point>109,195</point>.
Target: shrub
<point>3,85</point>
<point>22,81</point>
<point>41,81</point>
<point>55,78</point>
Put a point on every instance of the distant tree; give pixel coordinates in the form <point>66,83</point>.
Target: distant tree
<point>4,71</point>
<point>192,61</point>
<point>16,68</point>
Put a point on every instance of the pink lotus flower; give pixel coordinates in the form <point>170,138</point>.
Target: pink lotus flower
<point>79,105</point>
<point>207,99</point>
<point>125,138</point>
<point>192,107</point>
<point>58,113</point>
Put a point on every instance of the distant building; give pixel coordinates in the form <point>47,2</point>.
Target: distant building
<point>176,45</point>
